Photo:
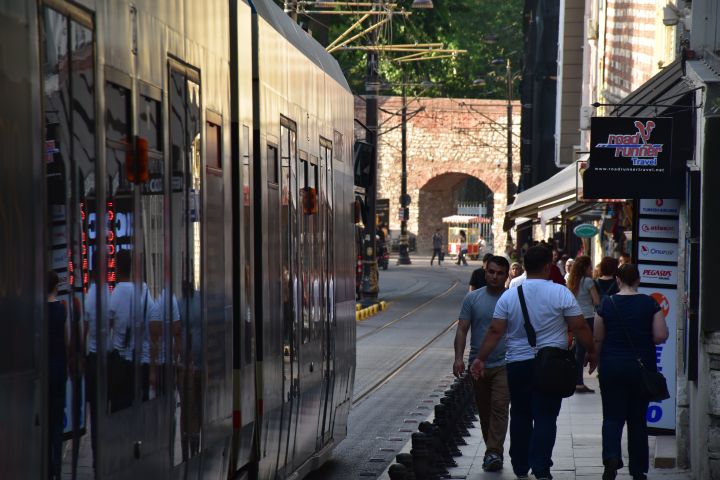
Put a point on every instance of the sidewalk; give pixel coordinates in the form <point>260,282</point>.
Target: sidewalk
<point>577,452</point>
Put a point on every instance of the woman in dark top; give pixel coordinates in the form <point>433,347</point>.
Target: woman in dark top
<point>57,369</point>
<point>628,325</point>
<point>605,283</point>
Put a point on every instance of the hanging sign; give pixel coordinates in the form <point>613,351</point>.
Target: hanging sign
<point>586,230</point>
<point>629,158</point>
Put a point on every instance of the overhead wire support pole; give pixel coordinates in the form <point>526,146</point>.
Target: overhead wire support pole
<point>371,28</point>
<point>347,32</point>
<point>509,174</point>
<point>403,246</point>
<point>369,284</point>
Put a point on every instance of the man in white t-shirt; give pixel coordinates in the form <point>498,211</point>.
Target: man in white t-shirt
<point>552,308</point>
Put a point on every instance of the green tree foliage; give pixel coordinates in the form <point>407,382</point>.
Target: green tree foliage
<point>458,24</point>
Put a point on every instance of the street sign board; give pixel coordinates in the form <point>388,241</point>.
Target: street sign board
<point>630,157</point>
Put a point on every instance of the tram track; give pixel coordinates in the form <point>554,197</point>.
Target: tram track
<point>389,376</point>
<point>411,312</point>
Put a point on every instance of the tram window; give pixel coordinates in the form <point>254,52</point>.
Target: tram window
<point>272,165</point>
<point>125,327</point>
<point>247,253</point>
<point>149,122</point>
<point>186,254</point>
<point>213,158</point>
<point>117,113</point>
<point>74,229</point>
<point>155,314</point>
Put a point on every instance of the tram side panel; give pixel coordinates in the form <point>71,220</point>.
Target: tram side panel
<point>344,291</point>
<point>22,236</point>
<point>243,287</point>
<point>272,250</point>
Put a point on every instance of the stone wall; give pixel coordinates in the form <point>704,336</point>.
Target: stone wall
<point>466,137</point>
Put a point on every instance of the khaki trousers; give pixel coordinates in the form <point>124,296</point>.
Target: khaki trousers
<point>492,397</point>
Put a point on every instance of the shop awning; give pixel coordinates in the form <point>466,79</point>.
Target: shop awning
<point>466,219</point>
<point>557,191</point>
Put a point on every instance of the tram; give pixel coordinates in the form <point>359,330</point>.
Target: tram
<point>177,187</point>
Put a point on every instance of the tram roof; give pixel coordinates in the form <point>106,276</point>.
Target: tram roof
<point>300,39</point>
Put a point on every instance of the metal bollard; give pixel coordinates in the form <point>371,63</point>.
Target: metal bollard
<point>442,422</point>
<point>445,457</point>
<point>406,460</point>
<point>398,472</point>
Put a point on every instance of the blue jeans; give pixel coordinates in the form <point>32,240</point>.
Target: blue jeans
<point>533,418</point>
<point>623,403</point>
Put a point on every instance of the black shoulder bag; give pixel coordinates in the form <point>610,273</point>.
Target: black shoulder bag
<point>652,382</point>
<point>554,367</point>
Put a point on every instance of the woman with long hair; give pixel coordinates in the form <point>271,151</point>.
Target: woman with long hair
<point>628,325</point>
<point>581,285</point>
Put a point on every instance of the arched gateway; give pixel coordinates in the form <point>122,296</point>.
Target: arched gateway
<point>456,152</point>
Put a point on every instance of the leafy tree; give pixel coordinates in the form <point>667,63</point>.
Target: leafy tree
<point>458,24</point>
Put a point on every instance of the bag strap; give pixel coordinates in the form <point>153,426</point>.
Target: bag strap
<point>627,335</point>
<point>529,330</point>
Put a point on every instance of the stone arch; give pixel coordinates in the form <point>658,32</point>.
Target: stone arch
<point>439,197</point>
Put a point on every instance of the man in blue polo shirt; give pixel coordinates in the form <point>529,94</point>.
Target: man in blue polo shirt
<point>552,308</point>
<point>491,391</point>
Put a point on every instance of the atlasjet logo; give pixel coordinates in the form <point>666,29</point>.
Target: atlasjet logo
<point>635,146</point>
<point>657,228</point>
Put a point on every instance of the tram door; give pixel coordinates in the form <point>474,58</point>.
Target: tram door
<point>290,288</point>
<point>327,270</point>
<point>310,313</point>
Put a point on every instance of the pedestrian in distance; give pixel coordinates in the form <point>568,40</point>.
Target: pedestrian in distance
<point>533,419</point>
<point>568,267</point>
<point>437,241</point>
<point>605,282</point>
<point>477,279</point>
<point>623,259</point>
<point>463,249</point>
<point>491,390</point>
<point>516,270</point>
<point>628,325</point>
<point>582,286</point>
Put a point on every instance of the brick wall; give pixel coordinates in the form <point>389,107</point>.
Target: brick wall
<point>466,137</point>
<point>634,29</point>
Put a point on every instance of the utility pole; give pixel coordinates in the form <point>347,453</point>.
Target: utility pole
<point>403,247</point>
<point>509,173</point>
<point>370,287</point>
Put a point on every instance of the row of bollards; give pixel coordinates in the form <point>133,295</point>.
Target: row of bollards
<point>436,443</point>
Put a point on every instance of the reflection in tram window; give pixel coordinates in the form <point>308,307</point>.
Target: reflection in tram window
<point>69,115</point>
<point>247,332</point>
<point>125,302</point>
<point>186,168</point>
<point>152,215</point>
<point>57,372</point>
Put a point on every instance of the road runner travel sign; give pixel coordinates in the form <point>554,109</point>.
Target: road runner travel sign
<point>629,158</point>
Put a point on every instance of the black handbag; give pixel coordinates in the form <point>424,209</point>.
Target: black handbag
<point>554,367</point>
<point>653,383</point>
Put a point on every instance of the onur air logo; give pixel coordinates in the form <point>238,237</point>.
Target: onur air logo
<point>645,250</point>
<point>635,146</point>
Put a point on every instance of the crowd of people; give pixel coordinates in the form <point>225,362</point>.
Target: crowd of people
<point>520,314</point>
